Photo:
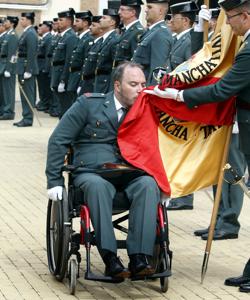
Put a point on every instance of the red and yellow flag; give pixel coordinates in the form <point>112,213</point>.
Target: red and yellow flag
<point>181,147</point>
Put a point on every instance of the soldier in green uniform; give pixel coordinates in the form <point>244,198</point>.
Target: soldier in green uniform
<point>61,59</point>
<point>27,67</point>
<point>129,13</point>
<point>235,82</point>
<point>82,23</point>
<point>155,44</point>
<point>43,79</point>
<point>8,67</point>
<point>108,23</point>
<point>2,34</point>
<point>86,84</point>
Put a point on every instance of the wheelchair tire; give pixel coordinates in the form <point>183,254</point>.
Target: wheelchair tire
<point>72,274</point>
<point>57,236</point>
<point>163,280</point>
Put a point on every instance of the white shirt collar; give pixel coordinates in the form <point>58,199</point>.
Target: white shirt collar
<point>2,33</point>
<point>178,36</point>
<point>83,33</point>
<point>45,34</point>
<point>107,34</point>
<point>62,33</point>
<point>9,32</point>
<point>26,28</point>
<point>131,24</point>
<point>152,26</point>
<point>118,105</point>
<point>97,39</point>
<point>246,35</point>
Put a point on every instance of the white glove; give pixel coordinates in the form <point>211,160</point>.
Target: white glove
<point>7,74</point>
<point>78,90</point>
<point>61,87</point>
<point>27,75</point>
<point>167,93</point>
<point>204,15</point>
<point>55,193</point>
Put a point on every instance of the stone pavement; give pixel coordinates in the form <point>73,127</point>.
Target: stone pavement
<point>23,262</point>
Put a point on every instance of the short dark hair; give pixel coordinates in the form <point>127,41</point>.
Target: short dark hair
<point>137,11</point>
<point>119,71</point>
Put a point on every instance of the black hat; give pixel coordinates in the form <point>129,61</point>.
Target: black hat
<point>184,7</point>
<point>96,19</point>
<point>230,4</point>
<point>28,15</point>
<point>158,1</point>
<point>47,23</point>
<point>168,17</point>
<point>2,20</point>
<point>84,14</point>
<point>67,13</point>
<point>215,12</point>
<point>13,19</point>
<point>110,12</point>
<point>131,2</point>
<point>114,4</point>
<point>55,19</point>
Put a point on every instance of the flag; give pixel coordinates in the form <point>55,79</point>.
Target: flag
<point>180,147</point>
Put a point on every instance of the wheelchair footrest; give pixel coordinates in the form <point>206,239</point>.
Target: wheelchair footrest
<point>92,276</point>
<point>166,273</point>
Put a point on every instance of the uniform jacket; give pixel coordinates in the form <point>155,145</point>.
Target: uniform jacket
<point>53,43</point>
<point>153,50</point>
<point>42,53</point>
<point>61,58</point>
<point>91,125</point>
<point>27,49</point>
<point>77,60</point>
<point>127,43</point>
<point>104,64</point>
<point>8,52</point>
<point>181,51</point>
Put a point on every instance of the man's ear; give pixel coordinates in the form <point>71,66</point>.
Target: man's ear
<point>117,86</point>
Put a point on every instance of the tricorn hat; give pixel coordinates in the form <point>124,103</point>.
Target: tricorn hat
<point>96,19</point>
<point>13,19</point>
<point>131,2</point>
<point>47,23</point>
<point>184,7</point>
<point>67,13</point>
<point>231,4</point>
<point>84,14</point>
<point>28,15</point>
<point>215,12</point>
<point>158,1</point>
<point>110,12</point>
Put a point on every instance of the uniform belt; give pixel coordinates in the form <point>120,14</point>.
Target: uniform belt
<point>242,104</point>
<point>75,69</point>
<point>58,63</point>
<point>87,77</point>
<point>22,55</point>
<point>102,72</point>
<point>40,56</point>
<point>3,56</point>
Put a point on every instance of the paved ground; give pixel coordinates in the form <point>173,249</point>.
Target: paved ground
<point>23,262</point>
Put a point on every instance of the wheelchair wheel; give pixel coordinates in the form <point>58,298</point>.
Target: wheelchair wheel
<point>163,280</point>
<point>57,236</point>
<point>72,273</point>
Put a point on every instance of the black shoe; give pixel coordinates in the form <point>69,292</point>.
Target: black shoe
<point>245,288</point>
<point>114,267</point>
<point>174,205</point>
<point>54,114</point>
<point>237,281</point>
<point>221,235</point>
<point>139,266</point>
<point>6,117</point>
<point>200,232</point>
<point>41,108</point>
<point>22,123</point>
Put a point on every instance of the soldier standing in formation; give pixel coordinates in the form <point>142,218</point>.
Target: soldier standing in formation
<point>27,68</point>
<point>2,34</point>
<point>8,68</point>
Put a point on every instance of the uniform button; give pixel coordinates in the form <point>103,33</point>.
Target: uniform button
<point>94,134</point>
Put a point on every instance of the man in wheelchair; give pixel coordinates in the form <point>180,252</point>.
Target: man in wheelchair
<point>91,126</point>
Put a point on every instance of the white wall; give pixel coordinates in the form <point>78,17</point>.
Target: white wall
<point>56,6</point>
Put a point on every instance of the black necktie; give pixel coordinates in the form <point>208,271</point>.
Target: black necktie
<point>124,112</point>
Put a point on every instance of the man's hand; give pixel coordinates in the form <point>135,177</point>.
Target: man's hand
<point>55,193</point>
<point>27,75</point>
<point>7,74</point>
<point>61,87</point>
<point>204,15</point>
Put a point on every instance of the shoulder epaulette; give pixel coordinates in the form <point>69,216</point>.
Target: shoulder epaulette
<point>94,95</point>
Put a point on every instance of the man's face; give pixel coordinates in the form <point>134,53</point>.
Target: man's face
<point>152,13</point>
<point>7,24</point>
<point>55,25</point>
<point>237,21</point>
<point>95,29</point>
<point>132,83</point>
<point>24,22</point>
<point>177,23</point>
<point>63,24</point>
<point>2,28</point>
<point>78,24</point>
<point>212,24</point>
<point>125,13</point>
<point>106,22</point>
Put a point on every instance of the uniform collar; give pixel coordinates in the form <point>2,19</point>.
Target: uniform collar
<point>3,33</point>
<point>83,33</point>
<point>62,33</point>
<point>45,34</point>
<point>152,26</point>
<point>11,30</point>
<point>131,24</point>
<point>107,34</point>
<point>118,105</point>
<point>178,36</point>
<point>26,28</point>
<point>246,35</point>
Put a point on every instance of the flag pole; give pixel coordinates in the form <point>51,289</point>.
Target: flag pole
<point>216,206</point>
<point>205,25</point>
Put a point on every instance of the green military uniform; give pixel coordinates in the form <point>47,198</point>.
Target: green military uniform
<point>43,78</point>
<point>153,50</point>
<point>27,62</point>
<point>104,64</point>
<point>91,125</point>
<point>2,35</point>
<point>60,67</point>
<point>76,63</point>
<point>89,66</point>
<point>127,43</point>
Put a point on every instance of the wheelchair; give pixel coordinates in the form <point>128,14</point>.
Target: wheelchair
<point>63,242</point>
